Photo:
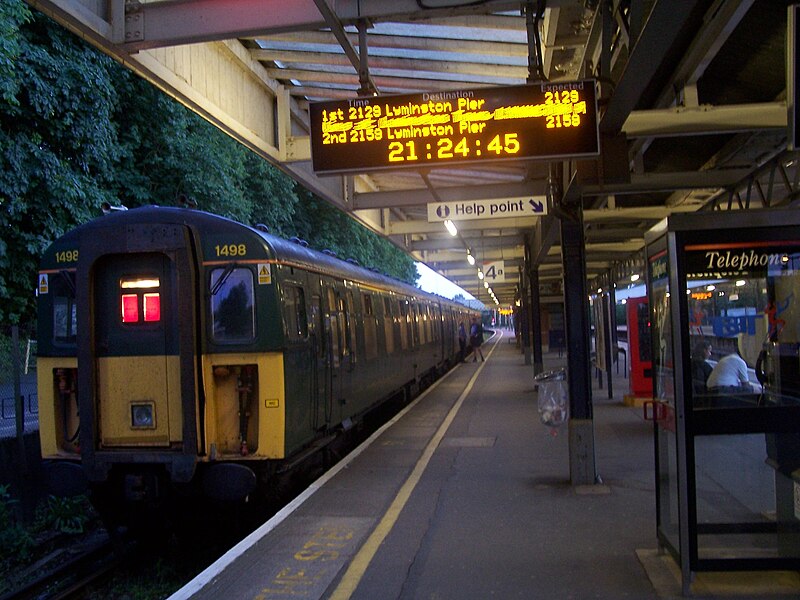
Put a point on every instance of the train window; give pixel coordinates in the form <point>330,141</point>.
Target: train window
<point>65,311</point>
<point>233,305</point>
<point>367,305</point>
<point>140,302</point>
<point>296,318</point>
<point>65,320</point>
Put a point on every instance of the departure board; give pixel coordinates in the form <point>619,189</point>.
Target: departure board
<point>540,121</point>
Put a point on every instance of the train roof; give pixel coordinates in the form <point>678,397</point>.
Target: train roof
<point>282,250</point>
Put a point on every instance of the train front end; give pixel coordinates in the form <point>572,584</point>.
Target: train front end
<point>136,401</point>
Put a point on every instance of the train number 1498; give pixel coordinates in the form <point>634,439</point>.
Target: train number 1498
<point>231,250</point>
<point>67,256</point>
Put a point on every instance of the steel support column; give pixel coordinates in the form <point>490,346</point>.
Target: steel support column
<point>535,312</point>
<point>576,315</point>
<point>525,312</point>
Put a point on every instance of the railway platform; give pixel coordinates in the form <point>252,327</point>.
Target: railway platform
<point>466,494</point>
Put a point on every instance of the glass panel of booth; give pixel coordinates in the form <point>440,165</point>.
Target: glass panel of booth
<point>744,323</point>
<point>744,507</point>
<point>741,300</point>
<point>664,394</point>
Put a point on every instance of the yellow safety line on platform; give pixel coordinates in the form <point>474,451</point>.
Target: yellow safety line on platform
<point>361,561</point>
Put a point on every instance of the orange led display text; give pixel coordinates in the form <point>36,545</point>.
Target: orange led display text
<point>547,120</point>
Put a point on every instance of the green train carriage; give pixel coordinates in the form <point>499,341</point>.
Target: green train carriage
<point>182,350</point>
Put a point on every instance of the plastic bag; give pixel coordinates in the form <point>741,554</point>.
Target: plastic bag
<point>552,392</point>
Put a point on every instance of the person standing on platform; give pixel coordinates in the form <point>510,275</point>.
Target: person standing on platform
<point>476,339</point>
<point>462,340</point>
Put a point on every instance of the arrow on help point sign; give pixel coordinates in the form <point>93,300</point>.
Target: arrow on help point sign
<point>523,206</point>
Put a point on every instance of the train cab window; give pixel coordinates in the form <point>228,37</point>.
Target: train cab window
<point>65,310</point>
<point>233,305</point>
<point>65,320</point>
<point>140,300</point>
<point>296,317</point>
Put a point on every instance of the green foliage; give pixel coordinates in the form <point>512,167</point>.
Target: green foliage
<point>15,541</point>
<point>57,149</point>
<point>12,16</point>
<point>77,129</point>
<point>324,227</point>
<point>65,515</point>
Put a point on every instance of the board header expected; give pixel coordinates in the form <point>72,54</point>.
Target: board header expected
<point>540,121</point>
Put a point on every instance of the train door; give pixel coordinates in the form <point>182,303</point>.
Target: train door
<point>415,325</point>
<point>301,353</point>
<point>403,322</point>
<point>138,372</point>
<point>388,325</point>
<point>320,364</point>
<point>332,352</point>
<point>347,346</point>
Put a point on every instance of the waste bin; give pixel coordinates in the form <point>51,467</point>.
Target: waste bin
<point>552,392</point>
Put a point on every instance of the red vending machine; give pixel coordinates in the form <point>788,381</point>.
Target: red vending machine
<point>641,376</point>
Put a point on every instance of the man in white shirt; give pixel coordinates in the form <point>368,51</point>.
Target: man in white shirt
<point>729,375</point>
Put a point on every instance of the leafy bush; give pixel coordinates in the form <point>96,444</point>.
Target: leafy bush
<point>65,515</point>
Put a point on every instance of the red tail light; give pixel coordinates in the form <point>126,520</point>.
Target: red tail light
<point>152,307</point>
<point>130,308</point>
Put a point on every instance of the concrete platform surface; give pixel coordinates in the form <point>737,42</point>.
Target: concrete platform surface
<point>466,494</point>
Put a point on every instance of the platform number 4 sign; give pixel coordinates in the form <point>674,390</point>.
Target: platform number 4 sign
<point>495,272</point>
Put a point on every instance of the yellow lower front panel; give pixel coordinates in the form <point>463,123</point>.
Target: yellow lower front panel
<point>245,402</point>
<point>58,409</point>
<point>139,401</point>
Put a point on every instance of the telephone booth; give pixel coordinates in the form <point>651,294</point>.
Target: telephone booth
<point>727,452</point>
<point>641,375</point>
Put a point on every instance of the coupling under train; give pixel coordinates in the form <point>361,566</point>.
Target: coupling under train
<point>183,354</point>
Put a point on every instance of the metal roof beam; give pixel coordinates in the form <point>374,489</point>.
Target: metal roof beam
<point>172,23</point>
<point>448,256</point>
<point>689,120</point>
<point>482,242</point>
<point>421,196</point>
<point>406,227</point>
<point>338,78</point>
<point>664,26</point>
<point>379,40</point>
<point>411,66</point>
<point>357,59</point>
<point>176,22</point>
<point>667,182</point>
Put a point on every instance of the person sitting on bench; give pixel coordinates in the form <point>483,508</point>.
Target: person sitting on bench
<point>730,376</point>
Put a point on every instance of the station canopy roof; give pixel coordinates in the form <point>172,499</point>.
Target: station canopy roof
<point>691,96</point>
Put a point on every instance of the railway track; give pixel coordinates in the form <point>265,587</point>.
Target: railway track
<point>68,571</point>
